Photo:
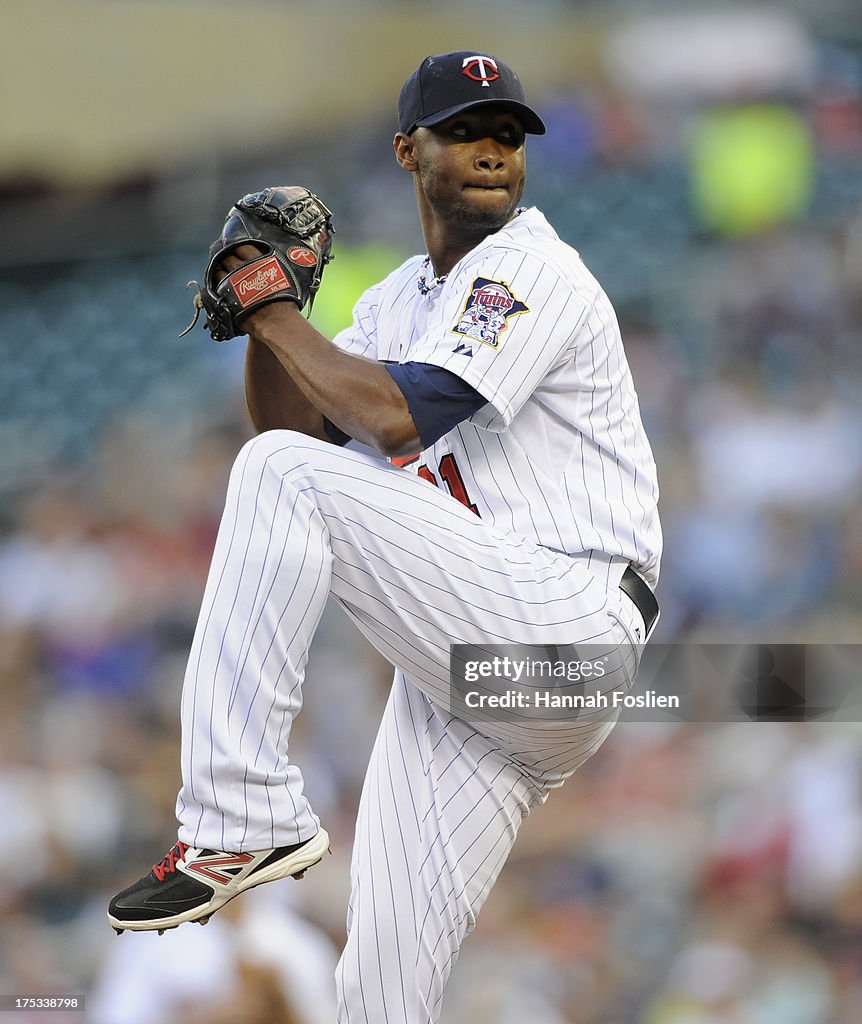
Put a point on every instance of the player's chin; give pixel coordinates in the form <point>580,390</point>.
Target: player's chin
<point>485,207</point>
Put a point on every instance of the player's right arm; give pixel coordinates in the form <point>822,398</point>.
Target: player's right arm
<point>355,393</point>
<point>296,379</point>
<point>274,401</point>
<point>273,394</point>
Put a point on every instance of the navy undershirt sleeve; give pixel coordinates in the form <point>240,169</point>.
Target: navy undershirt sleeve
<point>438,399</point>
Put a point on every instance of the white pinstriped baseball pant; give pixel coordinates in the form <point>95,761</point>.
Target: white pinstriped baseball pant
<point>442,801</point>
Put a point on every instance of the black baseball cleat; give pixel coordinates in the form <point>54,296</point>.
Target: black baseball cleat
<point>191,884</point>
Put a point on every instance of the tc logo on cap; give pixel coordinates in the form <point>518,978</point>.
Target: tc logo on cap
<point>480,69</point>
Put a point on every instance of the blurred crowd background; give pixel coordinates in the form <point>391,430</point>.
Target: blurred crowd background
<point>706,160</point>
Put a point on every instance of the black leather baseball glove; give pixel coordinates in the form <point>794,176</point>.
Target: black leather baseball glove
<point>293,230</point>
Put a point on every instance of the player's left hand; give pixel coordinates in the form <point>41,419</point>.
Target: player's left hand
<point>232,260</point>
<point>273,247</point>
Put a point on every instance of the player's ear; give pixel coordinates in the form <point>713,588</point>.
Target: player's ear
<point>405,151</point>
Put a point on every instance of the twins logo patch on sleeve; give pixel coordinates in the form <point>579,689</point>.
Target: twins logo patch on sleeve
<point>487,310</point>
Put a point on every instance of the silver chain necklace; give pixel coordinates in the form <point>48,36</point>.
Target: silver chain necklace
<point>425,288</point>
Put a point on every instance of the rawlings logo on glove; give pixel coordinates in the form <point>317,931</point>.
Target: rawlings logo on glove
<point>259,281</point>
<point>293,230</point>
<point>304,257</point>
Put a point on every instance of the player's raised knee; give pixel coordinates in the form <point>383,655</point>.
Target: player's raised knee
<point>276,449</point>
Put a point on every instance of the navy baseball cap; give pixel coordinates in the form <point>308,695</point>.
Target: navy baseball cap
<point>447,83</point>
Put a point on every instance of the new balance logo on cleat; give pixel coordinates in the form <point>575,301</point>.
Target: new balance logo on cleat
<point>219,867</point>
<point>191,884</point>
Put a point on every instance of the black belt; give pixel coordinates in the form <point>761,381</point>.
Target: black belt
<point>644,599</point>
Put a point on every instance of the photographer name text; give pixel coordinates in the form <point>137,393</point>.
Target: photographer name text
<point>550,699</point>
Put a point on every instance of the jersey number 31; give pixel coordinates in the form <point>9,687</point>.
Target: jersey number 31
<point>448,470</point>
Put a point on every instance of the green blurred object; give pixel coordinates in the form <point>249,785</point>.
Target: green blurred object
<point>346,278</point>
<point>751,167</point>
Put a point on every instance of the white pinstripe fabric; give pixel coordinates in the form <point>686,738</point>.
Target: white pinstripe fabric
<point>417,571</point>
<point>559,453</point>
<point>440,810</point>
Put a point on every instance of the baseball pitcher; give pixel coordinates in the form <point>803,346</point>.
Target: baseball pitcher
<point>518,506</point>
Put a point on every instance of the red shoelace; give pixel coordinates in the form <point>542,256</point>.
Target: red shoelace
<point>169,862</point>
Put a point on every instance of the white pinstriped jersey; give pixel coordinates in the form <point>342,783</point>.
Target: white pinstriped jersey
<point>559,454</point>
